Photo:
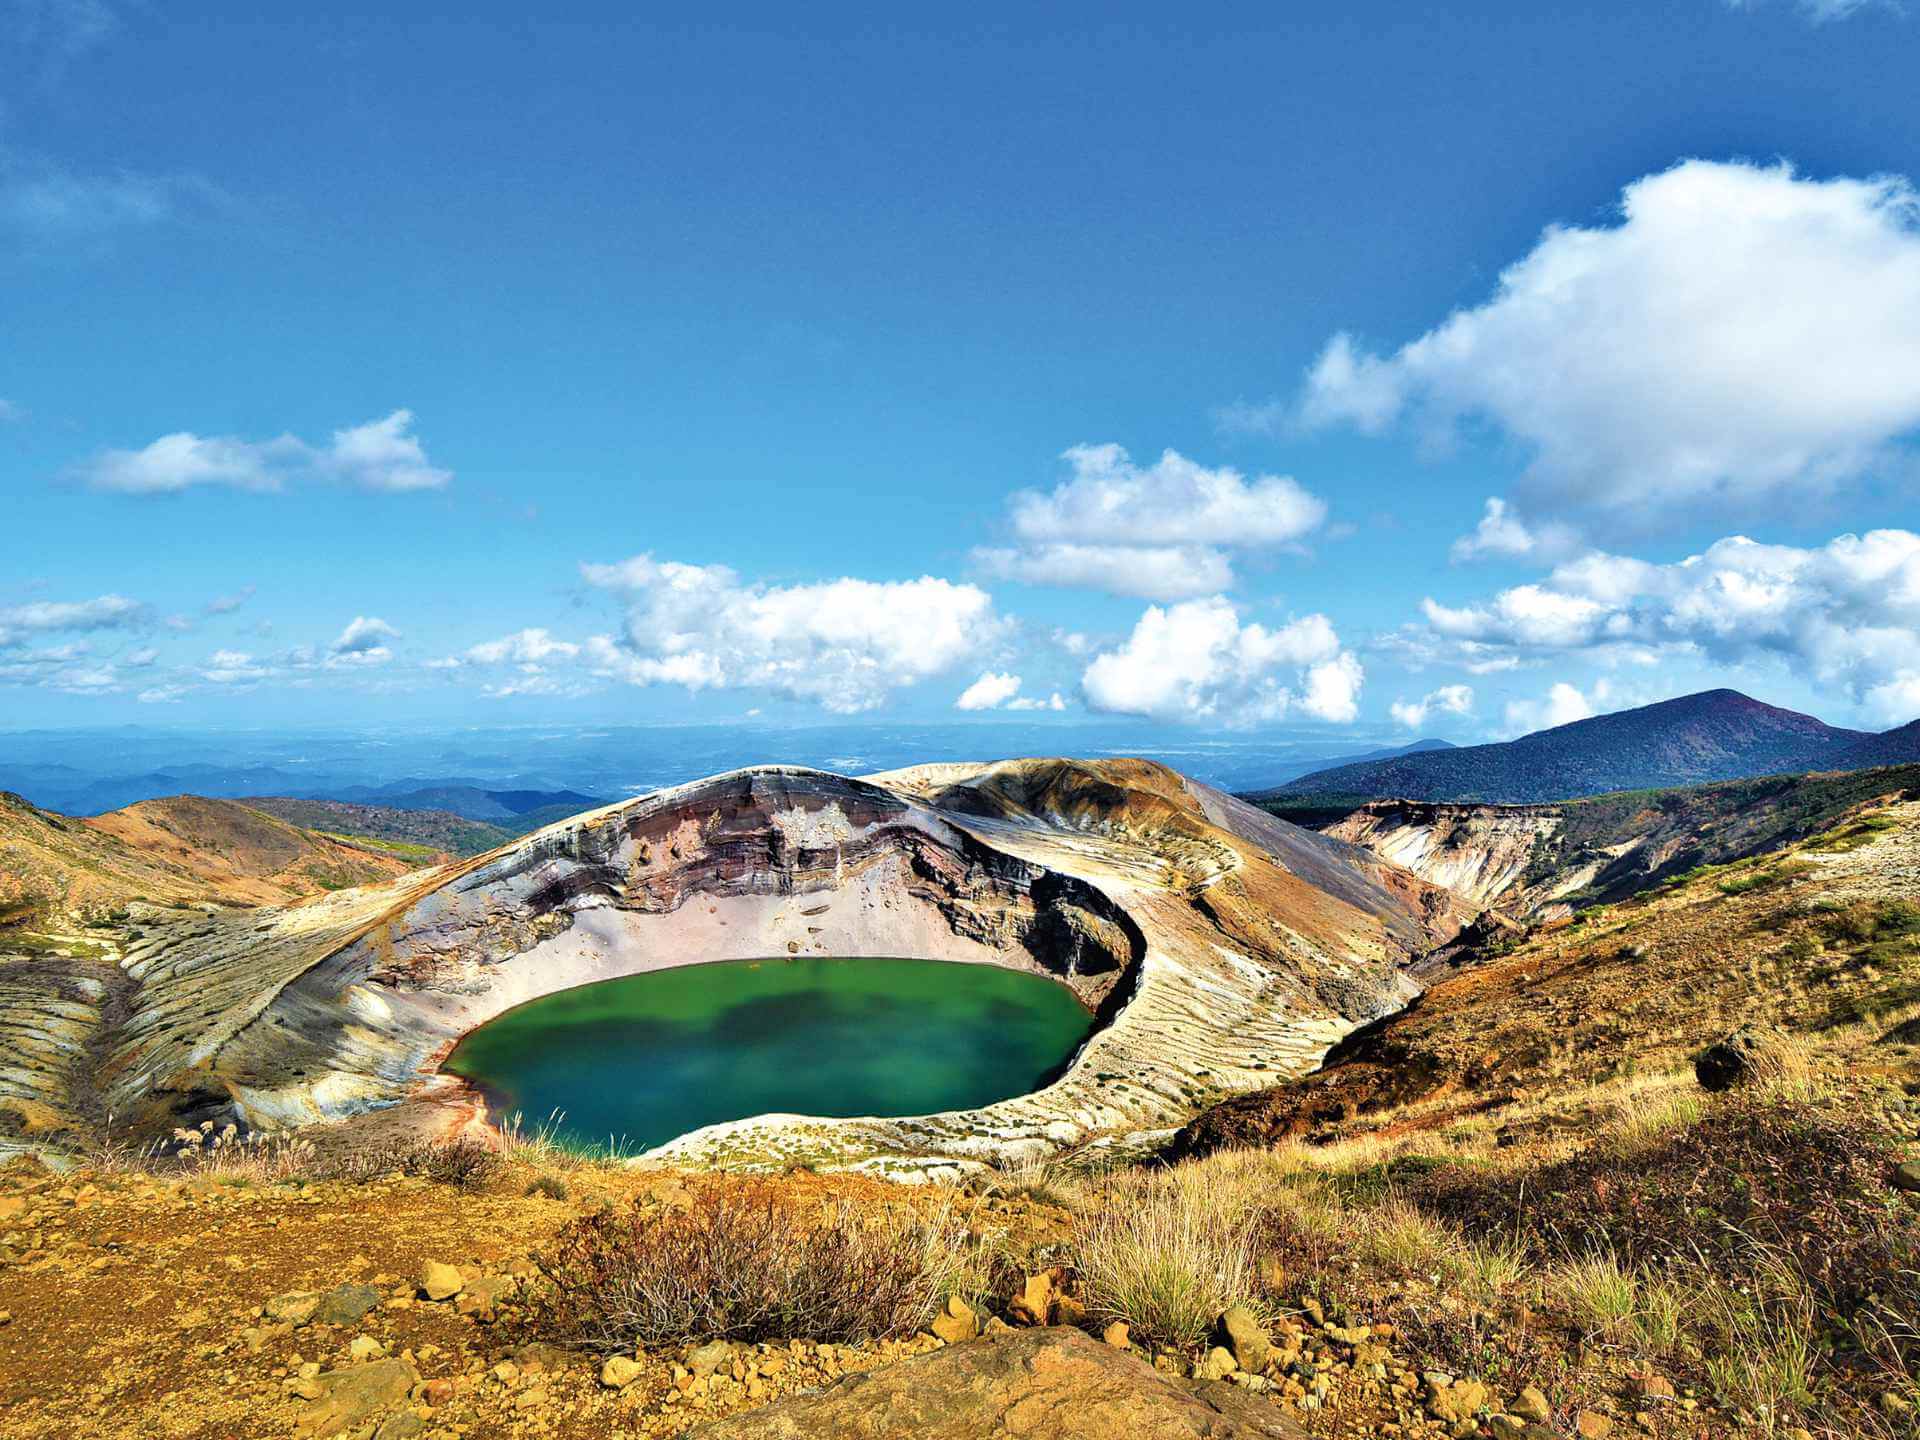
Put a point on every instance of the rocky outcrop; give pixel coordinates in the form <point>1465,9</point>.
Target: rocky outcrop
<point>1051,1384</point>
<point>1480,852</point>
<point>1219,947</point>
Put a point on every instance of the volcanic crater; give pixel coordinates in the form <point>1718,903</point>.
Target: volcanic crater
<point>1220,949</point>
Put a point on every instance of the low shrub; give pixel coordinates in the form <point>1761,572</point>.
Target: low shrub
<point>747,1263</point>
<point>465,1164</point>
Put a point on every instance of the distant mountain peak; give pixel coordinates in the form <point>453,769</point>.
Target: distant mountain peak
<point>1718,734</point>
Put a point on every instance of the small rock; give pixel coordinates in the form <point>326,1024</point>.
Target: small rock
<point>1531,1405</point>
<point>345,1305</point>
<point>1507,1427</point>
<point>1034,1304</point>
<point>709,1357</point>
<point>365,1347</point>
<point>1736,1060</point>
<point>956,1322</point>
<point>1592,1425</point>
<point>1653,1387</point>
<point>350,1398</point>
<point>296,1307</point>
<point>1247,1339</point>
<point>1217,1365</point>
<point>1117,1335</point>
<point>1460,1401</point>
<point>620,1372</point>
<point>1907,1176</point>
<point>1273,1275</point>
<point>440,1282</point>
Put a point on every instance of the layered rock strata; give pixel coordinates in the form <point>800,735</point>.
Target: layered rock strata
<point>1220,947</point>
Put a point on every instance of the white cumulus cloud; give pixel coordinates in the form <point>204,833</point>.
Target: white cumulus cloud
<point>1198,661</point>
<point>1561,705</point>
<point>1844,615</point>
<point>1502,533</point>
<point>1447,700</point>
<point>1150,572</point>
<point>1159,531</point>
<point>989,692</point>
<point>523,647</point>
<point>1741,331</point>
<point>363,642</point>
<point>105,612</point>
<point>843,644</point>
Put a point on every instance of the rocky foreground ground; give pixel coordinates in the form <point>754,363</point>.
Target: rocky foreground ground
<point>392,1308</point>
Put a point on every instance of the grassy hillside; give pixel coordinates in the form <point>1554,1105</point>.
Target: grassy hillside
<point>418,834</point>
<point>182,848</point>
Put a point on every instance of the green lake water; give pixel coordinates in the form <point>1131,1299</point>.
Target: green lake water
<point>649,1057</point>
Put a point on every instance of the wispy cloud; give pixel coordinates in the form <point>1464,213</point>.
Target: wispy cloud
<point>1822,12</point>
<point>42,203</point>
<point>379,455</point>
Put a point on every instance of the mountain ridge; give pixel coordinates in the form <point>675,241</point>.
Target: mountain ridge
<point>1712,735</point>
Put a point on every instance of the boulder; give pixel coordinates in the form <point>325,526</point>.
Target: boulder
<point>1907,1176</point>
<point>1039,1384</point>
<point>351,1397</point>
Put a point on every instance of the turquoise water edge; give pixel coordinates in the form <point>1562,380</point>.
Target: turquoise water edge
<point>645,1058</point>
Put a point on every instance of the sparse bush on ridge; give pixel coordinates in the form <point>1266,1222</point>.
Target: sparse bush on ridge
<point>223,1153</point>
<point>744,1262</point>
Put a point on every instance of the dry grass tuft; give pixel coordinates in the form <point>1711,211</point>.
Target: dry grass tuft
<point>1168,1251</point>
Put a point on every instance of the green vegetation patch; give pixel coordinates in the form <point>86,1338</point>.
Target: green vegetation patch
<point>402,849</point>
<point>1768,878</point>
<point>1852,837</point>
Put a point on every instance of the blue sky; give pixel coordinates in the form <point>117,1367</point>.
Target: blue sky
<point>1441,374</point>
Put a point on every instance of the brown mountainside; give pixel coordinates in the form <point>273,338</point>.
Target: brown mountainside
<point>181,848</point>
